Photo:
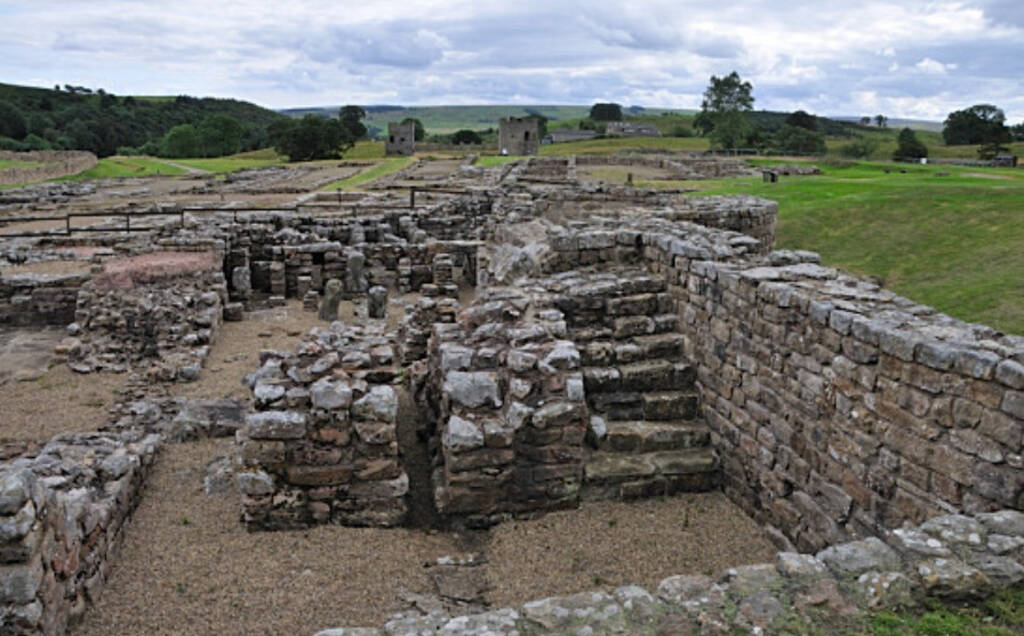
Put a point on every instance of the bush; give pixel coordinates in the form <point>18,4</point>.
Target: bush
<point>6,143</point>
<point>909,146</point>
<point>862,148</point>
<point>127,151</point>
<point>681,131</point>
<point>799,141</point>
<point>465,136</point>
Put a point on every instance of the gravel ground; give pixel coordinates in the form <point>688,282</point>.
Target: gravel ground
<point>49,267</point>
<point>188,566</point>
<point>59,401</point>
<point>607,544</point>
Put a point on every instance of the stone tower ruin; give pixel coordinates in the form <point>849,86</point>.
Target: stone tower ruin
<point>401,139</point>
<point>518,135</point>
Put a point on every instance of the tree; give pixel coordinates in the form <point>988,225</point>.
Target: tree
<point>802,119</point>
<point>604,111</point>
<point>220,135</point>
<point>978,124</point>
<point>310,138</point>
<point>798,140</point>
<point>1017,132</point>
<point>865,121</point>
<point>908,146</point>
<point>181,141</point>
<point>722,112</point>
<point>881,120</point>
<point>465,136</point>
<point>420,132</point>
<point>350,118</point>
<point>12,121</point>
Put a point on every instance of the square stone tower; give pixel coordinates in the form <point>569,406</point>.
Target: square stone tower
<point>401,139</point>
<point>518,135</point>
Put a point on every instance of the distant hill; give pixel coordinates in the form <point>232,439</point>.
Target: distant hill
<point>439,120</point>
<point>77,118</point>
<point>914,124</point>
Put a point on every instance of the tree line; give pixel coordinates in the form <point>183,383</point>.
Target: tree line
<point>79,118</point>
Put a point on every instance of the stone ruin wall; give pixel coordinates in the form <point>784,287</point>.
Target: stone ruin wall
<point>506,393</point>
<point>681,168</point>
<point>55,163</point>
<point>62,516</point>
<point>322,445</point>
<point>841,409</point>
<point>39,299</point>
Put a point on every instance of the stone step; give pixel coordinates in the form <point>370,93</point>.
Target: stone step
<point>669,405</point>
<point>605,352</point>
<point>609,475</point>
<point>643,436</point>
<point>624,327</point>
<point>649,375</point>
<point>660,345</point>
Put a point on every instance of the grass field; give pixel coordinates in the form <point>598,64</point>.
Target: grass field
<point>617,144</point>
<point>382,169</point>
<point>112,167</point>
<point>9,163</point>
<point>486,161</point>
<point>954,242</point>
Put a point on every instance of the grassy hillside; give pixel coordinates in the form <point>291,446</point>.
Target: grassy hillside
<point>953,242</point>
<point>102,122</point>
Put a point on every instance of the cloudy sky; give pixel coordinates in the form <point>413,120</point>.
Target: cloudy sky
<point>902,58</point>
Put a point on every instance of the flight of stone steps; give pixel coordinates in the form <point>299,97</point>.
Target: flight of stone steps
<point>647,436</point>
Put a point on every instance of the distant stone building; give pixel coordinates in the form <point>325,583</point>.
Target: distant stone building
<point>630,129</point>
<point>518,135</point>
<point>1005,161</point>
<point>562,135</point>
<point>401,139</point>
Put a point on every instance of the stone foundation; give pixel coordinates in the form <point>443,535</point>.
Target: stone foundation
<point>62,517</point>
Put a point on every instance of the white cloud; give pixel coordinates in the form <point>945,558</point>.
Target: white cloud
<point>939,53</point>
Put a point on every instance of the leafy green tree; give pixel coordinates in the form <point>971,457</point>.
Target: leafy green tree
<point>351,118</point>
<point>604,111</point>
<point>881,121</point>
<point>798,140</point>
<point>979,124</point>
<point>802,119</point>
<point>12,121</point>
<point>908,146</point>
<point>1017,132</point>
<point>722,112</point>
<point>310,138</point>
<point>220,135</point>
<point>181,141</point>
<point>418,125</point>
<point>465,136</point>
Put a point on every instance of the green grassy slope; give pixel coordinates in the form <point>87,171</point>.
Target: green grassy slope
<point>954,242</point>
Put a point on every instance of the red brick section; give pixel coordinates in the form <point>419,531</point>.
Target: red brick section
<point>123,273</point>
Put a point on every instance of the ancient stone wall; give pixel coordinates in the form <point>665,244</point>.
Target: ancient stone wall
<point>62,518</point>
<point>507,395</point>
<point>680,167</point>
<point>842,409</point>
<point>321,446</point>
<point>55,163</point>
<point>160,310</point>
<point>39,299</point>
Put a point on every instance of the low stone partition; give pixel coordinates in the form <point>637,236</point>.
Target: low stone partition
<point>159,310</point>
<point>51,164</point>
<point>951,557</point>
<point>39,299</point>
<point>687,168</point>
<point>62,519</point>
<point>321,446</point>
<point>507,394</point>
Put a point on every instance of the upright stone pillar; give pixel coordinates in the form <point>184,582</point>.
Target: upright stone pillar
<point>377,306</point>
<point>332,296</point>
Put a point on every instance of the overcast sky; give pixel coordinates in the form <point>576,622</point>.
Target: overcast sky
<point>901,58</point>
